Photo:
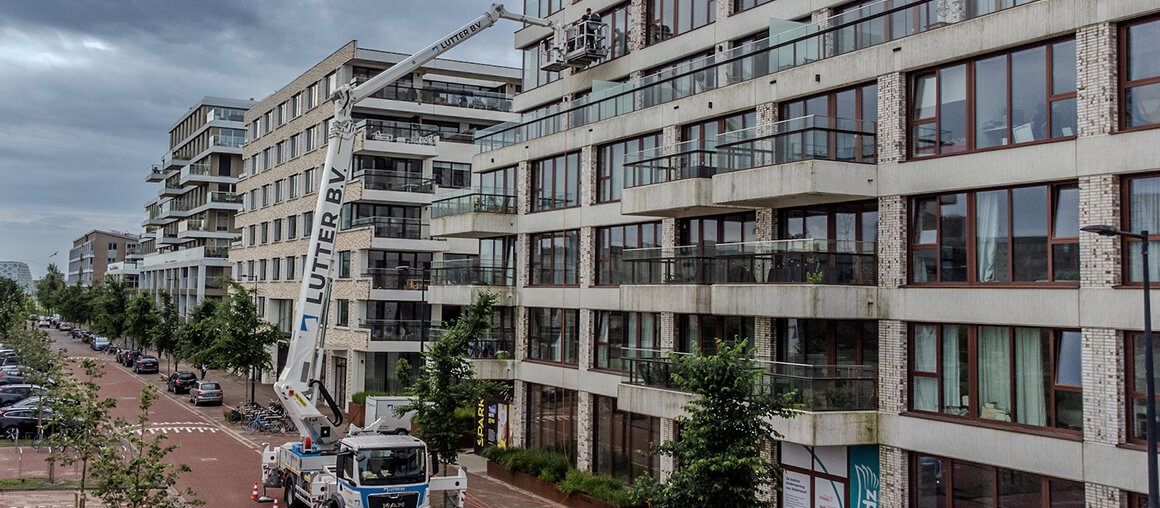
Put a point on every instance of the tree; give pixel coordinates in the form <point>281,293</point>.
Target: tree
<point>77,401</point>
<point>446,382</point>
<point>109,308</point>
<point>14,306</point>
<point>48,291</point>
<point>141,319</point>
<point>721,438</point>
<point>77,303</point>
<point>196,333</point>
<point>144,478</point>
<point>165,333</point>
<point>240,338</point>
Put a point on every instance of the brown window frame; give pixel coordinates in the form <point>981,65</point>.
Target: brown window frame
<point>505,180</point>
<point>605,263</point>
<point>606,190</point>
<point>632,336</point>
<point>1129,244</point>
<point>969,104</point>
<point>706,336</point>
<point>606,413</point>
<point>1130,391</point>
<point>947,467</point>
<point>563,430</point>
<point>913,246</point>
<point>739,5</point>
<point>972,367</point>
<point>1124,83</point>
<point>863,328</point>
<point>541,190</point>
<point>785,112</point>
<point>539,257</point>
<point>696,130</point>
<point>569,345</point>
<point>655,14</point>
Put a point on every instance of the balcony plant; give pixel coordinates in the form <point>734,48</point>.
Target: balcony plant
<point>502,355</point>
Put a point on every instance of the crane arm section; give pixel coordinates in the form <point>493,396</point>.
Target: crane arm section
<point>297,386</point>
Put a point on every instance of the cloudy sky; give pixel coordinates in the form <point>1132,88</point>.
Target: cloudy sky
<point>88,89</point>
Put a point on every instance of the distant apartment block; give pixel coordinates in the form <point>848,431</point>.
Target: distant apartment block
<point>92,253</point>
<point>17,271</point>
<point>190,224</point>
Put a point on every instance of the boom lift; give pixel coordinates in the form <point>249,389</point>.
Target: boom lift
<point>367,468</point>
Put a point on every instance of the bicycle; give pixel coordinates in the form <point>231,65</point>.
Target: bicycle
<point>260,424</point>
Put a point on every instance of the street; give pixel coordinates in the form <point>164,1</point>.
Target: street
<point>225,463</point>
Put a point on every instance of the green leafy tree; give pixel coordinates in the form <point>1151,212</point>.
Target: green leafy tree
<point>78,401</point>
<point>77,303</point>
<point>721,437</point>
<point>110,308</point>
<point>14,307</point>
<point>48,291</point>
<point>240,338</point>
<point>165,334</point>
<point>141,319</point>
<point>197,332</point>
<point>446,382</point>
<point>145,478</point>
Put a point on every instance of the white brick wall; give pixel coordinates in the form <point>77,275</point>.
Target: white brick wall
<point>585,414</point>
<point>1097,75</point>
<point>1099,256</point>
<point>894,477</point>
<point>1103,386</point>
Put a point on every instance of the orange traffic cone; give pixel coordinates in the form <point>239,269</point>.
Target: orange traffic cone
<point>275,501</point>
<point>254,494</point>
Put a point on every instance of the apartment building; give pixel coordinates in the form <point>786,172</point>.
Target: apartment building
<point>413,137</point>
<point>93,252</point>
<point>884,197</point>
<point>19,273</point>
<point>190,224</point>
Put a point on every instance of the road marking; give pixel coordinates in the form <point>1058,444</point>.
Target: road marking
<point>209,459</point>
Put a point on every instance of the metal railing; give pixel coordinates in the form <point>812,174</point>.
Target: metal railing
<point>225,197</point>
<point>194,225</point>
<point>473,200</point>
<point>811,387</point>
<point>399,132</point>
<point>804,43</point>
<point>395,329</point>
<point>807,137</point>
<point>393,227</point>
<point>383,179</point>
<point>394,278</point>
<point>227,141</point>
<point>684,264</point>
<point>839,262</point>
<point>222,252</point>
<point>692,159</point>
<point>470,272</point>
<point>474,99</point>
<point>200,169</point>
<point>494,343</point>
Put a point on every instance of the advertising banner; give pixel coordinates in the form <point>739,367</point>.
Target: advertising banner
<point>864,476</point>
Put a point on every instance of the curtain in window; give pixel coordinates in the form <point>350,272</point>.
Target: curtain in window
<point>1145,215</point>
<point>925,360</point>
<point>991,235</point>
<point>953,396</point>
<point>994,373</point>
<point>1030,376</point>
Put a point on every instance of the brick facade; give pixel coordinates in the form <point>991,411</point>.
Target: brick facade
<point>1097,80</point>
<point>1100,257</point>
<point>1104,399</point>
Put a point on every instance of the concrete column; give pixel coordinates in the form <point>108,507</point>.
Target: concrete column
<point>821,19</point>
<point>587,257</point>
<point>584,421</point>
<point>521,325</point>
<point>763,337</point>
<point>1100,257</point>
<point>585,329</point>
<point>891,118</point>
<point>891,241</point>
<point>892,363</point>
<point>1103,386</point>
<point>768,493</point>
<point>767,113</point>
<point>524,187</point>
<point>668,331</point>
<point>766,224</point>
<point>724,9</point>
<point>1103,496</point>
<point>1097,88</point>
<point>637,32</point>
<point>668,433</point>
<point>894,475</point>
<point>517,418</point>
<point>668,232</point>
<point>588,184</point>
<point>523,259</point>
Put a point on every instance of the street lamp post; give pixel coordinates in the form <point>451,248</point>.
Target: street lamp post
<point>1149,369</point>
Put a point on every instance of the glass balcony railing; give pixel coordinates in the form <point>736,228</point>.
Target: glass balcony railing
<point>225,197</point>
<point>393,227</point>
<point>395,278</point>
<point>469,272</point>
<point>412,133</point>
<point>807,137</point>
<point>495,343</point>
<point>692,159</point>
<point>475,99</point>
<point>227,141</point>
<point>473,200</point>
<point>813,387</point>
<point>381,179</point>
<point>685,264</point>
<point>194,225</point>
<point>396,329</point>
<point>221,251</point>
<point>200,169</point>
<point>799,44</point>
<point>801,261</point>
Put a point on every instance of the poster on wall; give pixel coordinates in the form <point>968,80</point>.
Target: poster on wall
<point>491,424</point>
<point>864,478</point>
<point>796,490</point>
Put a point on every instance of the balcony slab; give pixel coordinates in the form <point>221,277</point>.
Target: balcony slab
<point>364,146</point>
<point>652,401</point>
<point>798,183</point>
<point>690,197</point>
<point>474,225</point>
<point>795,300</point>
<point>462,295</point>
<point>679,298</point>
<point>830,428</point>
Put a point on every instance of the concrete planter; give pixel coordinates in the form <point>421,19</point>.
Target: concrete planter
<point>543,489</point>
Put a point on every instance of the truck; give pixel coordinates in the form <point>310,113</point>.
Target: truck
<point>369,467</point>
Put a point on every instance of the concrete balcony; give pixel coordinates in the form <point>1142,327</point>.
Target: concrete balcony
<point>395,233</point>
<point>384,186</point>
<point>155,174</point>
<point>455,282</point>
<point>801,161</point>
<point>473,213</point>
<point>203,173</point>
<point>171,192</point>
<point>395,139</point>
<point>671,181</point>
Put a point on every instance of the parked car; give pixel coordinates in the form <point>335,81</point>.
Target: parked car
<point>10,394</point>
<point>44,323</point>
<point>98,343</point>
<point>205,392</point>
<point>17,374</point>
<point>11,360</point>
<point>23,421</point>
<point>34,400</point>
<point>145,365</point>
<point>64,327</point>
<point>179,382</point>
<point>129,357</point>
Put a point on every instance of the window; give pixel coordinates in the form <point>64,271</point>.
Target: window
<point>622,441</point>
<point>455,175</point>
<point>845,234</point>
<point>265,227</point>
<point>619,21</point>
<point>964,106</point>
<point>616,331</point>
<point>292,186</point>
<point>290,267</point>
<point>556,182</point>
<point>741,5</point>
<point>342,312</point>
<point>981,7</point>
<point>533,76</point>
<point>280,152</point>
<point>344,264</point>
<point>295,105</point>
<point>266,195</point>
<point>542,8</point>
<point>1140,75</point>
<point>1138,386</point>
<point>951,483</point>
<point>611,242</point>
<point>610,164</point>
<point>253,230</point>
<point>311,96</point>
<point>266,121</point>
<point>669,18</point>
<point>845,111</point>
<point>261,269</point>
<point>253,199</point>
<point>880,29</point>
<point>500,181</point>
<point>1028,376</point>
<point>308,180</point>
<point>1142,213</point>
<point>1021,234</point>
<point>553,334</point>
<point>551,419</point>
<point>308,139</point>
<point>307,223</point>
<point>278,191</point>
<point>293,146</point>
<point>700,332</point>
<point>291,227</point>
<point>275,268</point>
<point>555,258</point>
<point>261,306</point>
<point>250,270</point>
<point>827,341</point>
<point>277,230</point>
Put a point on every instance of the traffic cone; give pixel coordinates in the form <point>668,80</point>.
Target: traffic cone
<point>275,501</point>
<point>254,494</point>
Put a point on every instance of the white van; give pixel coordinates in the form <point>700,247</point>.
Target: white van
<point>99,343</point>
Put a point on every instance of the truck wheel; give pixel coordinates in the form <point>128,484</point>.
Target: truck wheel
<point>288,495</point>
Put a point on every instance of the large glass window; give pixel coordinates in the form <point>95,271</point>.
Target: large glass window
<point>622,441</point>
<point>500,181</point>
<point>669,18</point>
<point>555,258</point>
<point>1017,97</point>
<point>556,182</point>
<point>844,110</point>
<point>1029,376</point>
<point>741,5</point>
<point>553,334</point>
<point>533,76</point>
<point>827,342</point>
<point>1138,386</point>
<point>700,332</point>
<point>619,333</point>
<point>880,29</point>
<point>1021,234</point>
<point>610,166</point>
<point>1142,214</point>
<point>453,175</point>
<point>611,269</point>
<point>619,21</point>
<point>551,420</point>
<point>938,482</point>
<point>1140,81</point>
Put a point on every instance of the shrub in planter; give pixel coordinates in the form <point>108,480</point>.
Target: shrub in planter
<point>604,488</point>
<point>547,465</point>
<point>361,397</point>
